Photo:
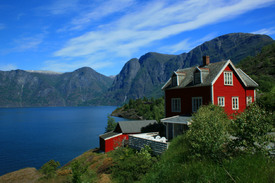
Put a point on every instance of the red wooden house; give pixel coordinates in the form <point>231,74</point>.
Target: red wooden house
<point>218,83</point>
<point>110,140</point>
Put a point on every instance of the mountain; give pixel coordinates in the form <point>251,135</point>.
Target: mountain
<point>145,76</point>
<point>20,88</point>
<point>138,78</point>
<point>261,68</point>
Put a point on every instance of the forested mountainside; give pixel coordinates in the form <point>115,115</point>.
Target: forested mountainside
<point>261,67</point>
<point>20,88</point>
<point>138,78</point>
<point>145,76</point>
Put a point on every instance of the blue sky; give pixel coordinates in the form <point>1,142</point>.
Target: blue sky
<point>64,35</point>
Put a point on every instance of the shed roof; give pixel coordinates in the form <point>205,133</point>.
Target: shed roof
<point>133,126</point>
<point>178,119</point>
<point>109,135</point>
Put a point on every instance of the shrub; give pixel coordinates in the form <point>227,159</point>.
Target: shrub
<point>49,169</point>
<point>208,133</point>
<point>111,124</point>
<point>130,165</point>
<point>251,128</point>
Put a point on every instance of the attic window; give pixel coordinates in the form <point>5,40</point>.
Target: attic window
<point>228,78</point>
<point>175,80</point>
<point>197,77</point>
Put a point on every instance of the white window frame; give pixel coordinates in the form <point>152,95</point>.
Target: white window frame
<point>196,103</point>
<point>228,78</point>
<point>248,100</point>
<point>176,104</point>
<point>235,103</point>
<point>221,101</point>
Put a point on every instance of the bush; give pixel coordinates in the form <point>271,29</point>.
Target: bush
<point>49,169</point>
<point>208,133</point>
<point>131,165</point>
<point>111,124</point>
<point>251,128</point>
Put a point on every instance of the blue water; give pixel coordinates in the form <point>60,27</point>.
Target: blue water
<point>29,137</point>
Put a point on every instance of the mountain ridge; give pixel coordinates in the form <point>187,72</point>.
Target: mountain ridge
<point>138,77</point>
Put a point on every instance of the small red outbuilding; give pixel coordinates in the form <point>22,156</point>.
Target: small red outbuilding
<point>110,140</point>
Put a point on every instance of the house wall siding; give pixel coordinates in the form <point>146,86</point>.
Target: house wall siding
<point>228,91</point>
<point>186,95</point>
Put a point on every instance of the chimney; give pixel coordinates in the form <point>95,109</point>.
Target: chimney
<point>206,60</point>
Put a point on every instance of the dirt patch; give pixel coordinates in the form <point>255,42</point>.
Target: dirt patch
<point>26,175</point>
<point>104,178</point>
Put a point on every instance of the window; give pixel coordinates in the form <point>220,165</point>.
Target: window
<point>248,100</point>
<point>221,101</point>
<point>176,106</point>
<point>228,78</point>
<point>197,77</point>
<point>235,103</point>
<point>174,80</point>
<point>196,103</point>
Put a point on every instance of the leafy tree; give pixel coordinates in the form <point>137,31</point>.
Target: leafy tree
<point>208,133</point>
<point>131,165</point>
<point>267,101</point>
<point>78,170</point>
<point>251,128</point>
<point>49,169</point>
<point>111,124</point>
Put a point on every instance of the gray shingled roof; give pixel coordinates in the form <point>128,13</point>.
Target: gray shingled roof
<point>207,79</point>
<point>108,135</point>
<point>134,126</point>
<point>249,82</point>
<point>177,119</point>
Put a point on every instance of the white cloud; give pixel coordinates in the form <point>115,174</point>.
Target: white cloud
<point>101,10</point>
<point>186,45</point>
<point>28,43</point>
<point>267,31</point>
<point>59,7</point>
<point>154,21</point>
<point>70,65</point>
<point>8,67</point>
<point>138,25</point>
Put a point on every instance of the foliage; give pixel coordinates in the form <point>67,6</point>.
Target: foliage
<point>243,168</point>
<point>267,101</point>
<point>251,128</point>
<point>131,165</point>
<point>261,69</point>
<point>208,133</point>
<point>77,170</point>
<point>111,124</point>
<point>49,169</point>
<point>147,108</point>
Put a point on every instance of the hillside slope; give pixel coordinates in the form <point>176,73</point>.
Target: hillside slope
<point>152,70</point>
<point>20,88</point>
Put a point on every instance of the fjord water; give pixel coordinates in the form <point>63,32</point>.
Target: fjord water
<point>29,137</point>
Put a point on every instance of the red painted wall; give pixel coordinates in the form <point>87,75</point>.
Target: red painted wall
<point>186,95</point>
<point>112,143</point>
<point>236,90</point>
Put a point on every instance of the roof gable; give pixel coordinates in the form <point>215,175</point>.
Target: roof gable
<point>246,80</point>
<point>209,75</point>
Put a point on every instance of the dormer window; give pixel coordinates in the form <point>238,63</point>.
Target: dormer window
<point>177,78</point>
<point>174,80</point>
<point>197,76</point>
<point>228,78</point>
